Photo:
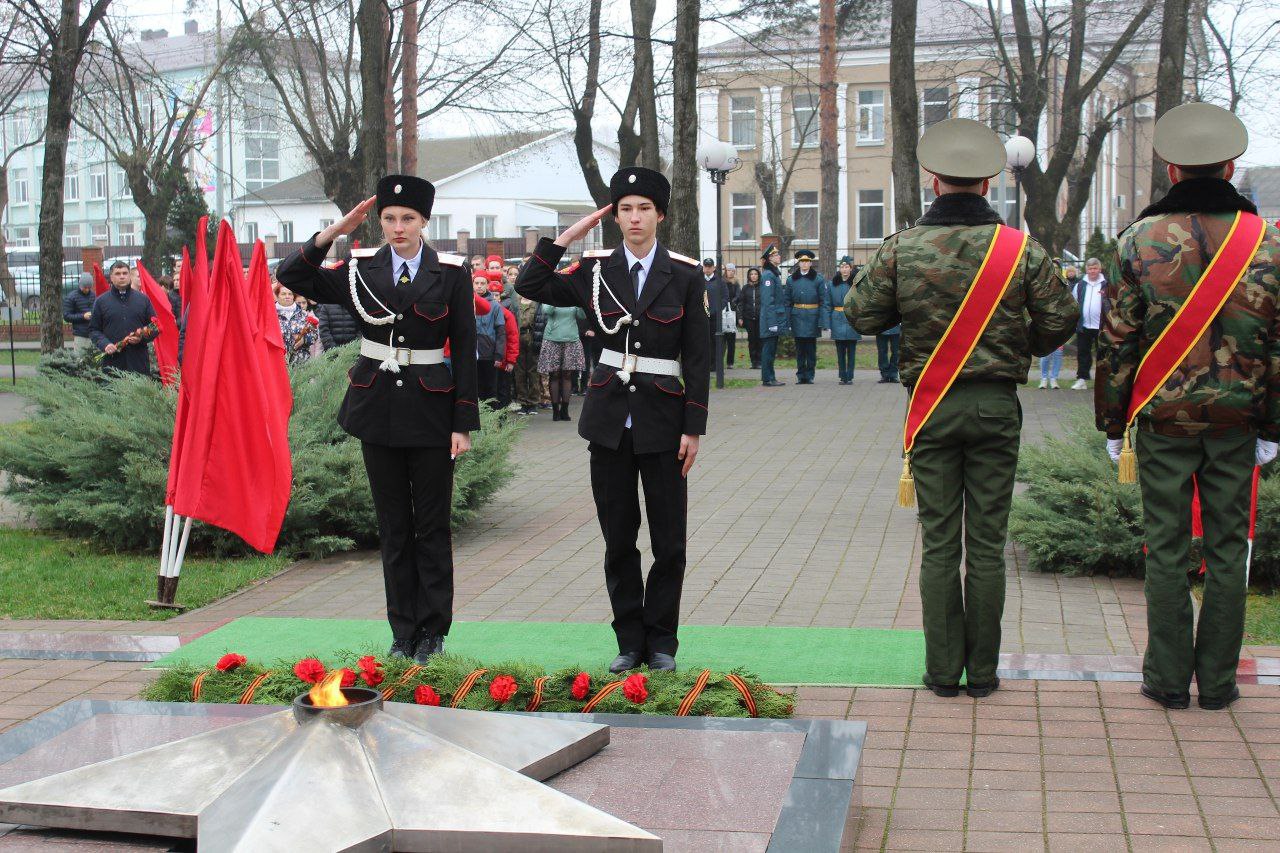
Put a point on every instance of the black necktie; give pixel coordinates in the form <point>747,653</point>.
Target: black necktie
<point>404,275</point>
<point>635,277</point>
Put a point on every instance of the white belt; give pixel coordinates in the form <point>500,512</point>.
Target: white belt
<point>639,364</point>
<point>400,355</point>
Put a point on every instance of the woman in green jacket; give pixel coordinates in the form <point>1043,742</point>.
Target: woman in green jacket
<point>561,355</point>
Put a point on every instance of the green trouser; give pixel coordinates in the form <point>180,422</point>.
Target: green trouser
<point>964,461</point>
<point>1223,468</point>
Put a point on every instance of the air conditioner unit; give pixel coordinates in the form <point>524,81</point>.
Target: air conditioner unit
<point>1144,109</point>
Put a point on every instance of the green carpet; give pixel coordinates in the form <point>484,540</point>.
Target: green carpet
<point>843,656</point>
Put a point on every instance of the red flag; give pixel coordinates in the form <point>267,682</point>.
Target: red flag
<point>167,342</point>
<point>234,469</point>
<point>273,370</point>
<point>100,285</point>
<point>200,279</point>
<point>187,275</point>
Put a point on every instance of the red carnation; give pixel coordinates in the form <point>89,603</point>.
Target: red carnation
<point>425,695</point>
<point>228,662</point>
<point>348,677</point>
<point>581,686</point>
<point>372,678</point>
<point>309,670</point>
<point>502,688</point>
<point>368,663</point>
<point>634,688</point>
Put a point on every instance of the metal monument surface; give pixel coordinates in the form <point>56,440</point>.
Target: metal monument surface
<point>354,778</point>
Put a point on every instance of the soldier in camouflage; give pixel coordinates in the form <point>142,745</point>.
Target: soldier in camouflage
<point>1215,417</point>
<point>965,456</point>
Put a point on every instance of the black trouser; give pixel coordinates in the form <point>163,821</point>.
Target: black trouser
<point>806,358</point>
<point>730,347</point>
<point>645,613</point>
<point>591,347</point>
<point>753,342</point>
<point>887,356</point>
<point>846,355</point>
<point>503,387</point>
<point>1085,340</point>
<point>412,493</point>
<point>486,379</point>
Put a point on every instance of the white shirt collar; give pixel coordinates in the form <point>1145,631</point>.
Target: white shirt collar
<point>646,262</point>
<point>416,261</point>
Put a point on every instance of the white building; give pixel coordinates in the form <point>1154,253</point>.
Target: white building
<point>487,186</point>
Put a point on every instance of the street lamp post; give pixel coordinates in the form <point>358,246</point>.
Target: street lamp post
<point>719,158</point>
<point>1021,151</point>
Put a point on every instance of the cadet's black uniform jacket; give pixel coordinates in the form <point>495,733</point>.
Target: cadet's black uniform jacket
<point>669,322</point>
<point>422,405</point>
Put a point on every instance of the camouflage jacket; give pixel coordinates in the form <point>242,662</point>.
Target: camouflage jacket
<point>920,276</point>
<point>1229,383</point>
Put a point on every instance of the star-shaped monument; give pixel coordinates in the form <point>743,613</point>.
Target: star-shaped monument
<point>362,777</point>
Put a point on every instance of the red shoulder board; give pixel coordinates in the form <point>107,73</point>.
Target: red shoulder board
<point>569,269</point>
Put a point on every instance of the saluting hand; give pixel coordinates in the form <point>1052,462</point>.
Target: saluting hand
<point>348,223</point>
<point>582,227</point>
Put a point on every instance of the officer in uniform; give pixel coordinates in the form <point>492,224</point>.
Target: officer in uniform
<point>842,333</point>
<point>648,307</point>
<point>965,456</point>
<point>1214,416</point>
<point>412,413</point>
<point>775,315</point>
<point>810,301</point>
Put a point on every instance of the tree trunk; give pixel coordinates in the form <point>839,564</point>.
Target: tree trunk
<point>828,138</point>
<point>409,90</point>
<point>680,231</point>
<point>639,145</point>
<point>1169,78</point>
<point>7,282</point>
<point>389,101</point>
<point>371,24</point>
<point>906,112</point>
<point>583,141</point>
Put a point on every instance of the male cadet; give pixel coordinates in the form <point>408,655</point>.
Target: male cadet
<point>648,306</point>
<point>1191,350</point>
<point>962,285</point>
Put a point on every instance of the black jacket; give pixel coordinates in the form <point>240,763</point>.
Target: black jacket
<point>669,322</point>
<point>422,404</point>
<point>749,305</point>
<point>338,326</point>
<point>117,314</point>
<point>75,305</point>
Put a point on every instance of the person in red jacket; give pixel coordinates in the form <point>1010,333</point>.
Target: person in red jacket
<point>507,365</point>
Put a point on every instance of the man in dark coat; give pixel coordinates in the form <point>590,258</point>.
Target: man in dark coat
<point>77,308</point>
<point>337,325</point>
<point>120,324</point>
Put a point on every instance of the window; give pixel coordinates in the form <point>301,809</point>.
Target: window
<point>804,119</point>
<point>128,233</point>
<point>286,232</point>
<point>438,228</point>
<point>871,117</point>
<point>18,186</point>
<point>742,121</point>
<point>742,217</point>
<point>870,214</point>
<point>804,215</point>
<point>98,182</point>
<point>486,226</point>
<point>1002,199</point>
<point>122,183</point>
<point>250,231</point>
<point>1004,118</point>
<point>261,162</point>
<point>927,197</point>
<point>935,106</point>
<point>325,223</point>
<point>21,237</point>
<point>258,113</point>
<point>71,188</point>
<point>72,235</point>
<point>98,232</point>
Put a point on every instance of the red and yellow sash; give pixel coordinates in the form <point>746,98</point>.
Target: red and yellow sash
<point>958,342</point>
<point>1197,312</point>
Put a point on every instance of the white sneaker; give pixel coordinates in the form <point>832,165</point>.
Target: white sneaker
<point>1081,385</point>
<point>1053,383</point>
<point>1044,383</point>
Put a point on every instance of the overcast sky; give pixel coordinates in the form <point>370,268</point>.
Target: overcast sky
<point>1264,141</point>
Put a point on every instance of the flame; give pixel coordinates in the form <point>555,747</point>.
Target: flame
<point>328,692</point>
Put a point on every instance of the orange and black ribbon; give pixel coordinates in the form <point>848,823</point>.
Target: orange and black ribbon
<point>747,699</point>
<point>599,697</point>
<point>247,696</point>
<point>197,686</point>
<point>402,681</point>
<point>465,687</point>
<point>692,696</point>
<point>538,685</point>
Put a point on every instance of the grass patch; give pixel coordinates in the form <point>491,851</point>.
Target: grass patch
<point>43,576</point>
<point>1262,619</point>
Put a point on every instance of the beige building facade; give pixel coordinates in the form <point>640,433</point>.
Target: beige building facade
<point>763,98</point>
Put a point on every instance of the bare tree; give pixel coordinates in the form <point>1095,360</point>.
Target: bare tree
<point>371,26</point>
<point>144,124</point>
<point>828,136</point>
<point>1232,46</point>
<point>681,224</point>
<point>16,75</point>
<point>409,89</point>
<point>905,111</point>
<point>64,36</point>
<point>1169,77</point>
<point>638,128</point>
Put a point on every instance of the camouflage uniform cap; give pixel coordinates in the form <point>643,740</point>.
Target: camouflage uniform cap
<point>961,148</point>
<point>1199,134</point>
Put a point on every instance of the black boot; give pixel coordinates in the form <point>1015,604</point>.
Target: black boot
<point>564,411</point>
<point>555,411</point>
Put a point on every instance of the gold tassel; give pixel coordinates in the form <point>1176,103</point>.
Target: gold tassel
<point>1128,461</point>
<point>906,484</point>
